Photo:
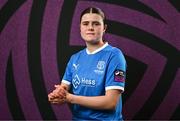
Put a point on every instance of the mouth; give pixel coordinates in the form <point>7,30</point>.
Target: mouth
<point>90,33</point>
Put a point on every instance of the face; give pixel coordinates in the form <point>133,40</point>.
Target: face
<point>92,28</point>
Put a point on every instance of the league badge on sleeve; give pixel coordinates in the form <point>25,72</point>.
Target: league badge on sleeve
<point>119,76</point>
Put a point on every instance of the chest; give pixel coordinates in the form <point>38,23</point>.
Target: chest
<point>90,66</point>
<point>89,72</point>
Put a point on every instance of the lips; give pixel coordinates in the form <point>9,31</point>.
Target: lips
<point>90,33</point>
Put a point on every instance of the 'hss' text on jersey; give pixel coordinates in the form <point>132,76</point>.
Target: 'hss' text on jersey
<point>83,81</point>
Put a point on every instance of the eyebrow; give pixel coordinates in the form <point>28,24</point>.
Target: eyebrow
<point>90,21</point>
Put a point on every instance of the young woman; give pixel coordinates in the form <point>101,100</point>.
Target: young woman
<point>95,75</point>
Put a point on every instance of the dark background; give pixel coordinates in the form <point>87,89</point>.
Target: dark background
<point>38,37</point>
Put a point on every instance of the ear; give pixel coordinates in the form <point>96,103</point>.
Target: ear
<point>80,27</point>
<point>105,27</point>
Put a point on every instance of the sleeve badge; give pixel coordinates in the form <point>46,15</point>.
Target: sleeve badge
<point>119,76</point>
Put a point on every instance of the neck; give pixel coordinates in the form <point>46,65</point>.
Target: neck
<point>92,47</point>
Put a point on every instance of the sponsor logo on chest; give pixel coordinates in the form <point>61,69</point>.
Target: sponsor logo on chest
<point>82,81</point>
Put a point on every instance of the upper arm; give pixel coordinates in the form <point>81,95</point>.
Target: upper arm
<point>116,72</point>
<point>67,77</point>
<point>113,97</point>
<point>114,94</point>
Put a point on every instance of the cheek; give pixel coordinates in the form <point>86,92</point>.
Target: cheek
<point>100,31</point>
<point>82,30</point>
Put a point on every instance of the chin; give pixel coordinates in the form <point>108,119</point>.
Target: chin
<point>93,42</point>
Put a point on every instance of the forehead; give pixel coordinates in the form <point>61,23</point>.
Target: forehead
<point>91,17</point>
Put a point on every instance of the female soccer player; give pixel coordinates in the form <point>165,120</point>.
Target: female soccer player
<point>95,75</point>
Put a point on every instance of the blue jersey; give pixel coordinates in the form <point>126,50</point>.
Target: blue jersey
<point>92,74</point>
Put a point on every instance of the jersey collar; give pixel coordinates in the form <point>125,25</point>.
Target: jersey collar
<point>99,49</point>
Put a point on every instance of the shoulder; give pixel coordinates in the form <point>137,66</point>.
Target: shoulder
<point>76,55</point>
<point>114,50</point>
<point>117,56</point>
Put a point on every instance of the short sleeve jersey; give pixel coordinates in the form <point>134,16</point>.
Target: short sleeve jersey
<point>92,74</point>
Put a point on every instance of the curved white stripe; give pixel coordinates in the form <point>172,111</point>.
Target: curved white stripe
<point>66,82</point>
<point>99,49</point>
<point>114,87</point>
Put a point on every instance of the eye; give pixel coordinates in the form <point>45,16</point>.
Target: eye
<point>96,23</point>
<point>85,23</point>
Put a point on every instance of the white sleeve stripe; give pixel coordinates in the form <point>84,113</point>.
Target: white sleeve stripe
<point>66,82</point>
<point>114,87</point>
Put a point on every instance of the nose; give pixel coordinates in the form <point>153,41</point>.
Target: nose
<point>90,27</point>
